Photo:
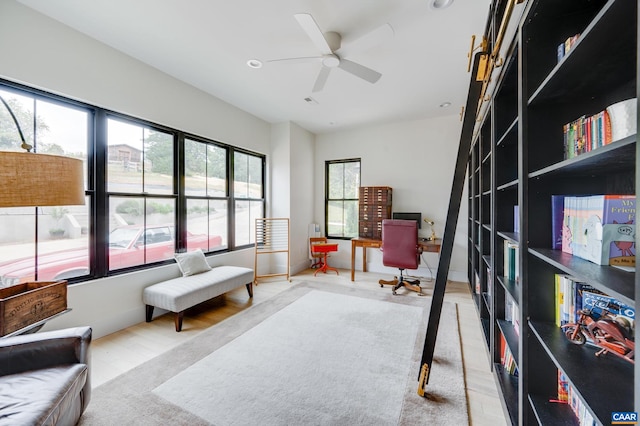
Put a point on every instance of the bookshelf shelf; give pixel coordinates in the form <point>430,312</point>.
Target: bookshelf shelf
<point>604,382</point>
<point>511,286</point>
<point>518,159</point>
<point>552,413</point>
<point>508,385</point>
<point>615,282</point>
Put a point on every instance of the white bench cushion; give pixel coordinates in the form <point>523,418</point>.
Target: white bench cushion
<point>181,293</point>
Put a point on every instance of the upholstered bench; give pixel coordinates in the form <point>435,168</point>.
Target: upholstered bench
<point>178,294</point>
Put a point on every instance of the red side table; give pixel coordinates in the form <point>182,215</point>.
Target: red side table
<point>324,248</point>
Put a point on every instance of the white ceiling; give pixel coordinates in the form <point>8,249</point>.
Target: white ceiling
<point>206,43</point>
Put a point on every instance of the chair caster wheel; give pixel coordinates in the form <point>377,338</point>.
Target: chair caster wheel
<point>381,286</point>
<point>394,292</point>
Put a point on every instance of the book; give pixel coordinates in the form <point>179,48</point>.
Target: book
<point>600,228</point>
<point>569,298</point>
<point>557,214</point>
<point>601,304</point>
<point>563,387</point>
<point>559,298</point>
<point>511,261</point>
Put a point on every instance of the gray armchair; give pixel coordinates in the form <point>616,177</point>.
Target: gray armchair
<point>45,377</point>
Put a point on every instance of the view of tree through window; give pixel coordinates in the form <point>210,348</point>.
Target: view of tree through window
<point>248,177</point>
<point>342,183</point>
<point>141,227</point>
<point>206,190</point>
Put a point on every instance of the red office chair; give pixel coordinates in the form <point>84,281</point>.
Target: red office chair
<point>400,249</point>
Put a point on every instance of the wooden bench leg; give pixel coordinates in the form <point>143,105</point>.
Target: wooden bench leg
<point>149,313</point>
<point>250,289</point>
<point>177,317</point>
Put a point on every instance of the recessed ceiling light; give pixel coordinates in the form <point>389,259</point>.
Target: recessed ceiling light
<point>440,4</point>
<point>254,63</point>
<point>445,105</point>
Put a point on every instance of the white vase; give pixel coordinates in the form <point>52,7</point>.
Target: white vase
<point>624,118</point>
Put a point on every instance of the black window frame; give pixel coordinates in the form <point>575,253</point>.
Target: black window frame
<point>327,199</point>
<point>98,195</point>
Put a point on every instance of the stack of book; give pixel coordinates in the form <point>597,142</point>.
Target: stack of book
<point>506,358</point>
<point>585,134</point>
<point>512,313</point>
<point>511,261</point>
<point>598,228</point>
<point>565,47</point>
<point>568,395</point>
<point>572,295</point>
<point>568,298</point>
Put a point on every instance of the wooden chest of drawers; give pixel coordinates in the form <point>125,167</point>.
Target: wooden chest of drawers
<point>374,207</point>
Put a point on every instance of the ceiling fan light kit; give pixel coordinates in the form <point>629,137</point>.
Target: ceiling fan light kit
<point>254,63</point>
<point>333,53</point>
<point>440,4</point>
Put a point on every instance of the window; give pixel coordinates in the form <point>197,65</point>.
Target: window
<point>341,198</point>
<point>248,190</point>
<point>139,176</point>
<point>151,191</point>
<point>206,189</point>
<point>31,236</point>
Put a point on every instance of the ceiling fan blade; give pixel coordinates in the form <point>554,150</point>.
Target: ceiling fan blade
<point>314,32</point>
<point>321,80</point>
<point>360,71</point>
<point>367,41</point>
<point>304,59</point>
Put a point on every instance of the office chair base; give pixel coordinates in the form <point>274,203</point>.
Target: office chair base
<point>412,285</point>
<point>394,281</point>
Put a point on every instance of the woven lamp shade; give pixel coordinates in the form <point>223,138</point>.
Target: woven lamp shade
<point>28,180</point>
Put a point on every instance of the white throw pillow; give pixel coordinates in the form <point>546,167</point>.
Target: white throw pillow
<point>192,262</point>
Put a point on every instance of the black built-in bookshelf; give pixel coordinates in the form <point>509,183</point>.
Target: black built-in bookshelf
<point>517,158</point>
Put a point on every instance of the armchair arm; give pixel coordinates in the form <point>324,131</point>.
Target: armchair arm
<point>44,350</point>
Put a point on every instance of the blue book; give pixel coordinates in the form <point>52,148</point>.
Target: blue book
<point>599,303</point>
<point>557,216</point>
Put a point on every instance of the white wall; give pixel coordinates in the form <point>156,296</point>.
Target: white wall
<point>417,160</point>
<point>291,188</point>
<point>41,52</point>
<point>302,198</point>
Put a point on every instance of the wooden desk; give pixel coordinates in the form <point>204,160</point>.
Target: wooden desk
<point>427,246</point>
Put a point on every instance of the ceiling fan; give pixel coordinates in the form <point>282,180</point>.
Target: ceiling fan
<point>333,53</point>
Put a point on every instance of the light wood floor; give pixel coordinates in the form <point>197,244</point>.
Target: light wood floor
<point>119,352</point>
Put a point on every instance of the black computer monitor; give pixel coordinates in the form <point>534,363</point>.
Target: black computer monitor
<point>408,216</point>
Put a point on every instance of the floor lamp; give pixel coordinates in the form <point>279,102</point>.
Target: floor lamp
<point>28,179</point>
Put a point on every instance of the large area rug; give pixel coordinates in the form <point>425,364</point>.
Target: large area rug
<point>315,354</point>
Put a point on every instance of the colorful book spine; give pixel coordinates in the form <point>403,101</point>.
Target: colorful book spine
<point>586,133</point>
<point>569,298</point>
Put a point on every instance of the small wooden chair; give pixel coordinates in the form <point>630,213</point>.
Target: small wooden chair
<point>316,257</point>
